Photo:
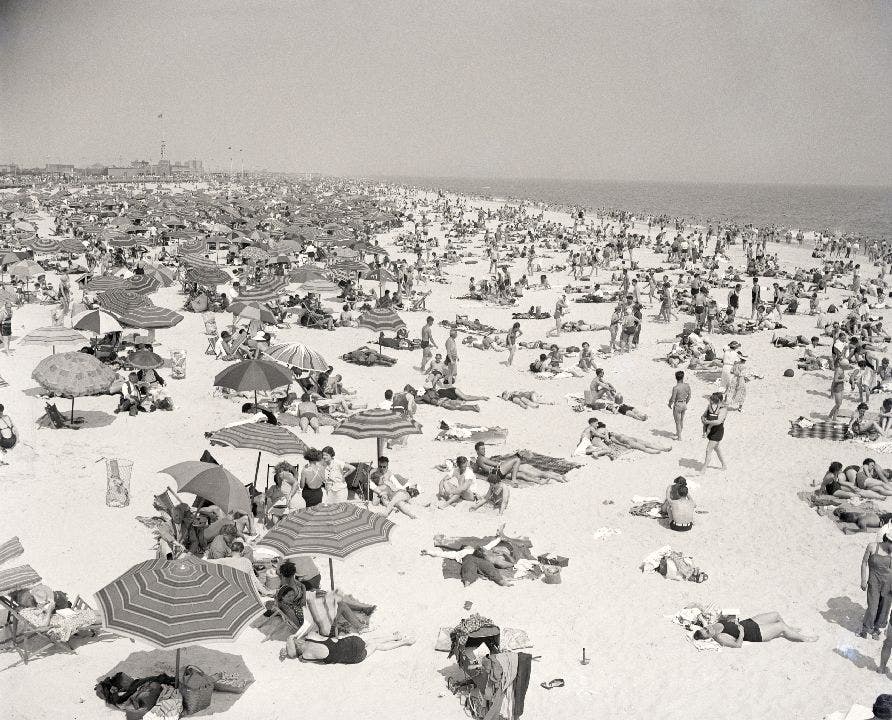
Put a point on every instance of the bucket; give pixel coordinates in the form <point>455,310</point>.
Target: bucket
<point>178,364</point>
<point>552,575</point>
<point>117,482</point>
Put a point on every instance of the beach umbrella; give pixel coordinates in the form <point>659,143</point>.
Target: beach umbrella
<point>96,321</point>
<point>261,437</point>
<point>26,269</point>
<point>192,245</point>
<point>382,275</point>
<point>337,530</point>
<point>305,274</point>
<point>145,360</point>
<point>255,254</point>
<point>120,301</point>
<point>73,374</point>
<point>176,603</point>
<point>349,265</point>
<point>102,283</point>
<point>123,241</point>
<point>319,286</point>
<point>252,311</point>
<point>211,276</point>
<point>43,245</point>
<point>198,261</point>
<point>149,317</point>
<point>52,336</point>
<point>381,319</point>
<point>255,375</point>
<point>211,482</point>
<point>163,275</point>
<point>379,424</point>
<point>71,245</point>
<point>26,226</point>
<point>142,284</point>
<point>264,291</point>
<point>297,355</point>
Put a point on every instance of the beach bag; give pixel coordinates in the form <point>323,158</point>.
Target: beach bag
<point>169,705</point>
<point>197,689</point>
<point>141,701</point>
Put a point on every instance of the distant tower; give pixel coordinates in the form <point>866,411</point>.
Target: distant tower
<point>161,129</point>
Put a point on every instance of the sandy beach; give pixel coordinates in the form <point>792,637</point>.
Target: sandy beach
<point>761,545</point>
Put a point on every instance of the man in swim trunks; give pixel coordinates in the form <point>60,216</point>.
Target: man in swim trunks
<point>678,402</point>
<point>456,485</point>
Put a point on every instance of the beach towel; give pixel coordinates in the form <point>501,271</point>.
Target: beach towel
<point>820,429</point>
<point>543,462</point>
<point>696,617</point>
<point>646,508</point>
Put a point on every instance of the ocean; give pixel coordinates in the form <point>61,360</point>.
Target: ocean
<point>864,211</point>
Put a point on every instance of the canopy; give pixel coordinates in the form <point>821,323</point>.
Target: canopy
<point>73,374</point>
<point>378,319</point>
<point>297,355</point>
<point>96,321</point>
<point>264,437</point>
<point>174,603</point>
<point>212,482</point>
<point>264,291</point>
<point>377,423</point>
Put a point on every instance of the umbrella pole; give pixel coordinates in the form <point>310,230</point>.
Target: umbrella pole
<point>72,409</point>
<point>331,573</point>
<point>257,471</point>
<point>177,684</point>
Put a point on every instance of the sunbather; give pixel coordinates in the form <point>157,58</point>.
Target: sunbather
<point>859,426</point>
<point>524,398</point>
<point>390,489</point>
<point>498,493</point>
<point>348,650</point>
<point>456,484</point>
<point>512,468</point>
<point>732,633</point>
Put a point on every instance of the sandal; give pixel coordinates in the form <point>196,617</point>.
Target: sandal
<point>557,682</point>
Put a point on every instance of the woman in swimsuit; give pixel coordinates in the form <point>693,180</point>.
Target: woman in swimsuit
<point>347,650</point>
<point>524,398</point>
<point>714,429</point>
<point>6,325</point>
<point>634,443</point>
<point>860,426</point>
<point>307,413</point>
<point>511,342</point>
<point>497,494</point>
<point>312,478</point>
<point>759,628</point>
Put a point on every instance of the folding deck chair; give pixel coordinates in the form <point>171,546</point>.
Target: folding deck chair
<point>56,419</point>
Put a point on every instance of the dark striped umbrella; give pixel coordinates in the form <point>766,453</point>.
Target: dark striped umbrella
<point>212,482</point>
<point>120,301</point>
<point>381,319</point>
<point>319,286</point>
<point>17,578</point>
<point>267,290</point>
<point>345,264</point>
<point>335,530</point>
<point>305,274</point>
<point>175,603</point>
<point>298,355</point>
<point>261,437</point>
<point>198,261</point>
<point>192,245</point>
<point>377,423</point>
<point>142,284</point>
<point>43,245</point>
<point>211,276</point>
<point>71,245</point>
<point>149,317</point>
<point>255,375</point>
<point>105,282</point>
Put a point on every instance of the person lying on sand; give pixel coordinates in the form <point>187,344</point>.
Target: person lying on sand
<point>524,398</point>
<point>347,650</point>
<point>632,443</point>
<point>513,468</point>
<point>437,382</point>
<point>732,633</point>
<point>592,443</point>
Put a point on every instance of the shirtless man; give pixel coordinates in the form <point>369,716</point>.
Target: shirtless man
<point>427,342</point>
<point>456,485</point>
<point>603,390</point>
<point>678,402</point>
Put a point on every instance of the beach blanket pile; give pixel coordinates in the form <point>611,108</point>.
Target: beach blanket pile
<point>820,429</point>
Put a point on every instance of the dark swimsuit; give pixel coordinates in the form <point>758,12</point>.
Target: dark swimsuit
<point>751,631</point>
<point>716,432</point>
<point>346,651</point>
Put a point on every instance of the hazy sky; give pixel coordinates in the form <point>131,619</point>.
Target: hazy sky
<point>728,91</point>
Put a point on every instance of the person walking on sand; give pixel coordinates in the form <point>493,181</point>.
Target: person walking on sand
<point>511,341</point>
<point>713,420</point>
<point>756,296</point>
<point>678,402</point>
<point>452,353</point>
<point>427,343</point>
<point>837,387</point>
<point>560,309</point>
<point>6,325</point>
<point>876,579</point>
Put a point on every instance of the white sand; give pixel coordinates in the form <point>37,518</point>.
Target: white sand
<point>763,548</point>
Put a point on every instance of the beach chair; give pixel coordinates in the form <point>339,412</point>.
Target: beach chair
<point>55,418</point>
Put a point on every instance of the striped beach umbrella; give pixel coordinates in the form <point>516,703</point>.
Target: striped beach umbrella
<point>252,311</point>
<point>377,423</point>
<point>198,261</point>
<point>207,276</point>
<point>120,301</point>
<point>102,283</point>
<point>165,276</point>
<point>52,336</point>
<point>261,437</point>
<point>142,284</point>
<point>96,321</point>
<point>381,319</point>
<point>71,245</point>
<point>319,286</point>
<point>253,375</point>
<point>123,241</point>
<point>175,603</point>
<point>26,269</point>
<point>18,578</point>
<point>349,265</point>
<point>335,530</point>
<point>192,245</point>
<point>43,245</point>
<point>265,291</point>
<point>305,274</point>
<point>149,317</point>
<point>297,355</point>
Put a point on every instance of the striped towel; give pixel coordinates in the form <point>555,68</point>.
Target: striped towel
<point>10,549</point>
<point>18,578</point>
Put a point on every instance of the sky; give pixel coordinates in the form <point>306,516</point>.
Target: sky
<point>774,92</point>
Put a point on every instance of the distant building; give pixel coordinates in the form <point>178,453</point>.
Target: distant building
<point>57,169</point>
<point>125,173</point>
<point>11,169</point>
